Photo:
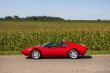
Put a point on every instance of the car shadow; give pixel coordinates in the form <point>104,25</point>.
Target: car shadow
<point>80,57</point>
<point>85,57</point>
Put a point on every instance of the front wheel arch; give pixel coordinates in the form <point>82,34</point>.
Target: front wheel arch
<point>35,49</point>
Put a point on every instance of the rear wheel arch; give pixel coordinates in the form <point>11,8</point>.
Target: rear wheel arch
<point>75,56</point>
<point>74,49</point>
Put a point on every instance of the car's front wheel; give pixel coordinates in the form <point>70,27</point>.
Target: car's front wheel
<point>73,54</point>
<point>35,54</point>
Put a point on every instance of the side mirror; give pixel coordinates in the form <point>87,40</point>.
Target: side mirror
<point>49,46</point>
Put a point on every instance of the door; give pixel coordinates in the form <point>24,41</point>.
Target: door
<point>57,51</point>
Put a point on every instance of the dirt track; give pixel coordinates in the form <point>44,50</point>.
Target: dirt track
<point>86,64</point>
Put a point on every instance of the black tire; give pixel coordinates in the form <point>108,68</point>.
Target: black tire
<point>73,54</point>
<point>35,54</point>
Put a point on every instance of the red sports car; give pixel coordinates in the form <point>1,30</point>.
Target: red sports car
<point>53,49</point>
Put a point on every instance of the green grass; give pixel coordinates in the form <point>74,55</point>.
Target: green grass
<point>53,26</point>
<point>98,52</point>
<point>10,53</point>
<point>16,35</point>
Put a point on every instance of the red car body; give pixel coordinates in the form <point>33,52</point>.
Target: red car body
<point>61,50</point>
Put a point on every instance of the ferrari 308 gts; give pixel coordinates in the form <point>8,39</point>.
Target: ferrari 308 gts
<point>55,49</point>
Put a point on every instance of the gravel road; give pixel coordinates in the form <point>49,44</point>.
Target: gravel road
<point>86,64</point>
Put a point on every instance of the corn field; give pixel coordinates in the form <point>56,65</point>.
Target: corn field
<point>15,36</point>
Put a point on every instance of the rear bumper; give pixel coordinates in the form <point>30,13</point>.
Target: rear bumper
<point>83,50</point>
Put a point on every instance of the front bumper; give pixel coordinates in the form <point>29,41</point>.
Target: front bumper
<point>26,52</point>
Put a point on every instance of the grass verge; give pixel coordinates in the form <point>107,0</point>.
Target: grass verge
<point>10,52</point>
<point>19,53</point>
<point>98,52</point>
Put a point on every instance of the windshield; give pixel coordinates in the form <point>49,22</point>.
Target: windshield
<point>46,44</point>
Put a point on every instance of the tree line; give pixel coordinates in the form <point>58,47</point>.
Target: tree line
<point>39,18</point>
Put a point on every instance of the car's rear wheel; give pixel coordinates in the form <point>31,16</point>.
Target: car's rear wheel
<point>73,54</point>
<point>35,54</point>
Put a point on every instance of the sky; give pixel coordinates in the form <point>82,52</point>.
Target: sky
<point>67,9</point>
